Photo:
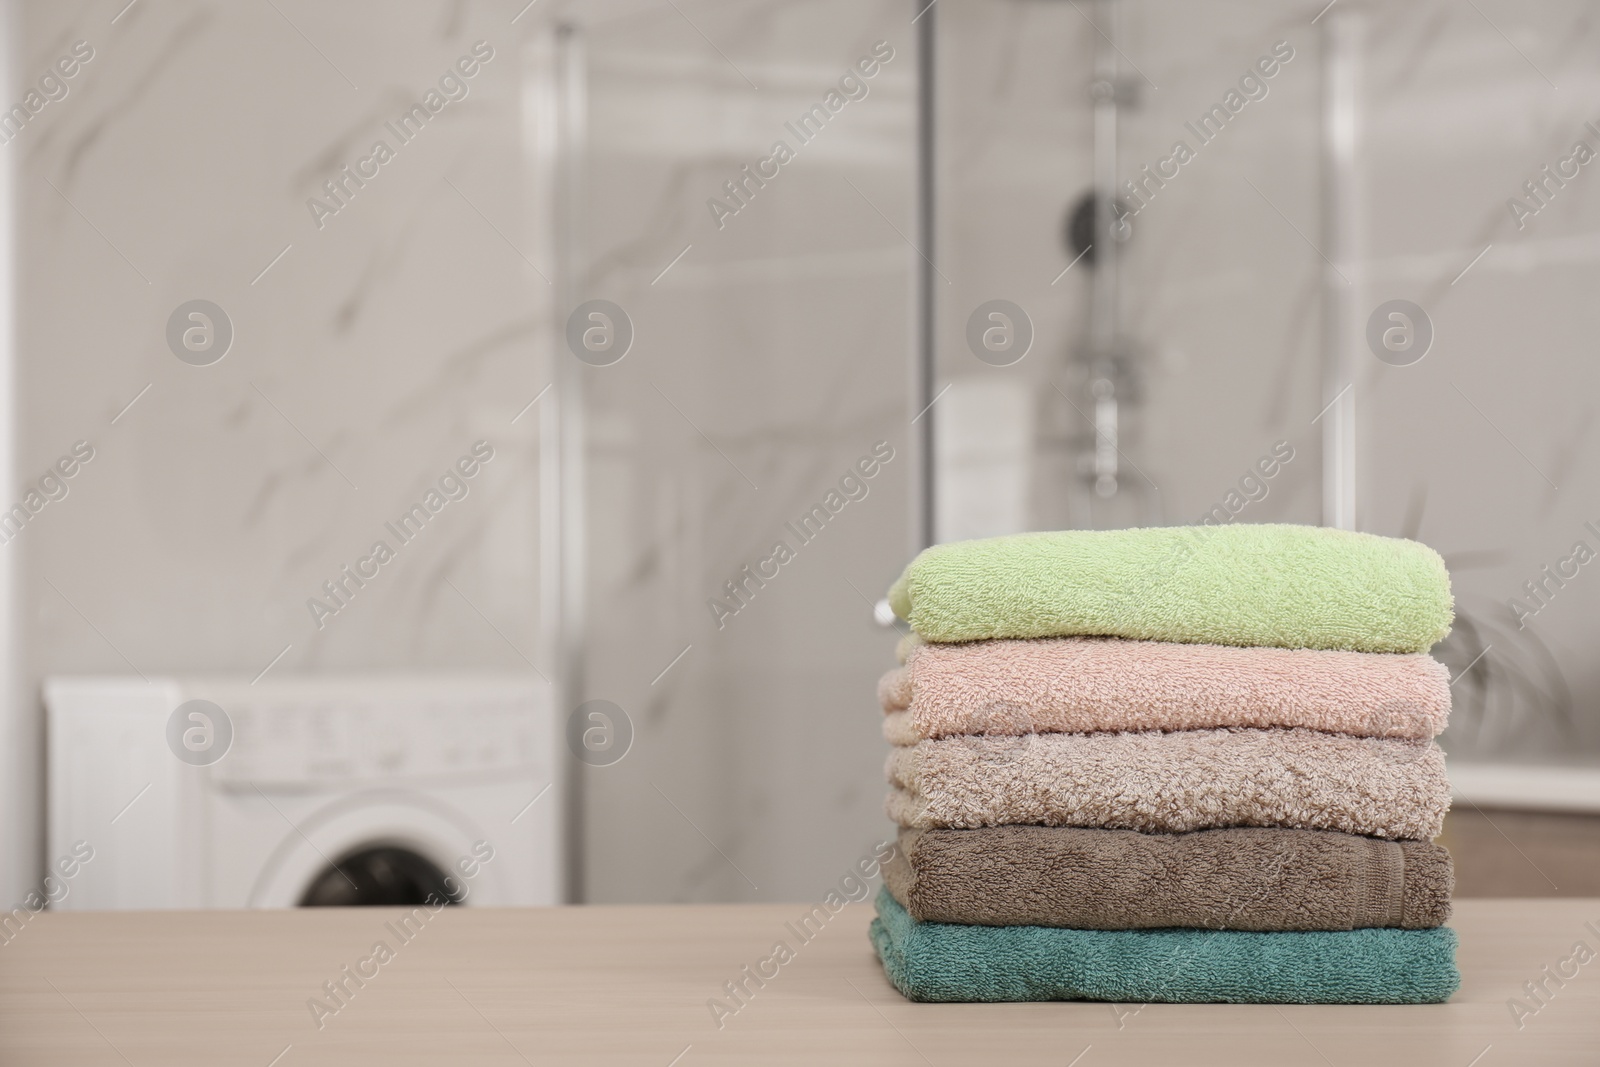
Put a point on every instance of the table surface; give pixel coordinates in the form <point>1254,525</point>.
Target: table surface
<point>633,985</point>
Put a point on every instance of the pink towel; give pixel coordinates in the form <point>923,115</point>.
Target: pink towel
<point>1173,782</point>
<point>1085,684</point>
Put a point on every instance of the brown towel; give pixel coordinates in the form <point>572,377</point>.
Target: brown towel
<point>1234,879</point>
<point>1174,782</point>
<point>1084,684</point>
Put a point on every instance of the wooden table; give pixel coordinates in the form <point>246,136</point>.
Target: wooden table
<point>631,985</point>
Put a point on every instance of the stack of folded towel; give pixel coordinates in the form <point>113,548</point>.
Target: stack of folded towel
<point>1175,764</point>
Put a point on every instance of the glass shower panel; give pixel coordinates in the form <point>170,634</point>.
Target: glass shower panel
<point>1175,366</point>
<point>1284,172</point>
<point>748,460</point>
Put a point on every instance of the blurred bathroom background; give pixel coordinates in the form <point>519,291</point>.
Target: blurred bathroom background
<point>1156,351</point>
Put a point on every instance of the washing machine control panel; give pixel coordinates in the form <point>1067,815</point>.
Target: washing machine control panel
<point>294,736</point>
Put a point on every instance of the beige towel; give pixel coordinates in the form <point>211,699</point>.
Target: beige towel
<point>1244,878</point>
<point>1174,782</point>
<point>1084,684</point>
<point>904,646</point>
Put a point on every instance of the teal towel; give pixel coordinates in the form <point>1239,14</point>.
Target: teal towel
<point>1280,585</point>
<point>947,962</point>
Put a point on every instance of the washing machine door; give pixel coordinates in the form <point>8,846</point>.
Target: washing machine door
<point>377,848</point>
<point>382,875</point>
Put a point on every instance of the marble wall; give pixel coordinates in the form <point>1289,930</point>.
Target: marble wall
<point>374,345</point>
<point>1486,448</point>
<point>369,352</point>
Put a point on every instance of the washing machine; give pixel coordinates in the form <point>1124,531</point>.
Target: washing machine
<point>302,791</point>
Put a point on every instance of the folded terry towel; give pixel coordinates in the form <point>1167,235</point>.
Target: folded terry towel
<point>1248,584</point>
<point>1083,684</point>
<point>1234,879</point>
<point>1173,783</point>
<point>946,962</point>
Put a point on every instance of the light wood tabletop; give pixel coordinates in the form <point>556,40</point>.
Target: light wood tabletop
<point>633,985</point>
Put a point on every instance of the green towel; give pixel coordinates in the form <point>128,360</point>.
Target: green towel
<point>1281,585</point>
<point>946,962</point>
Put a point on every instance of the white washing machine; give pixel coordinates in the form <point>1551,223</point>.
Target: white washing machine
<point>385,789</point>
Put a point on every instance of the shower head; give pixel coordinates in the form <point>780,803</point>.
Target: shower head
<point>1079,230</point>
